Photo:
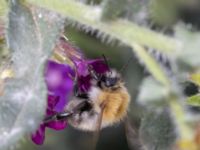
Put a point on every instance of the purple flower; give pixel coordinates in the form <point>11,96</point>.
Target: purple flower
<point>59,79</point>
<point>81,63</point>
<point>60,86</point>
<point>83,73</point>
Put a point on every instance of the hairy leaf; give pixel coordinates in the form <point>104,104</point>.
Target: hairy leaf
<point>195,78</point>
<point>194,100</point>
<point>113,9</point>
<point>3,8</point>
<point>151,64</point>
<point>190,53</point>
<point>88,18</point>
<point>164,12</point>
<point>31,36</point>
<point>152,92</point>
<point>3,12</point>
<point>157,131</point>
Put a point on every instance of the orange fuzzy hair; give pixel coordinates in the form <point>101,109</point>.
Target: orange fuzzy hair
<point>116,104</point>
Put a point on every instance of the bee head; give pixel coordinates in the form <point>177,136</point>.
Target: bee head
<point>110,79</point>
<point>109,82</point>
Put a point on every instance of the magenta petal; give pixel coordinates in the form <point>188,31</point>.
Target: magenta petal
<point>63,99</point>
<point>84,76</point>
<point>59,82</point>
<point>99,65</point>
<point>39,135</point>
<point>84,83</point>
<point>52,101</point>
<point>82,67</point>
<point>57,125</point>
<point>50,112</point>
<point>58,77</point>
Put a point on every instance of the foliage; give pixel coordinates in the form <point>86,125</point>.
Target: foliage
<point>33,27</point>
<point>30,43</point>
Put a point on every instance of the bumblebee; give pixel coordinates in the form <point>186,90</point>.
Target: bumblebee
<point>105,104</point>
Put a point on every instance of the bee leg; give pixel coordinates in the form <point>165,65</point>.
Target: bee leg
<point>58,117</point>
<point>49,119</point>
<point>64,115</point>
<point>76,91</point>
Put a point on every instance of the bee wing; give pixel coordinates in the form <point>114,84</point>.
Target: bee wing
<point>132,135</point>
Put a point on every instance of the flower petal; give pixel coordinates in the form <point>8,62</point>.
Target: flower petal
<point>58,77</point>
<point>39,136</point>
<point>59,82</point>
<point>84,76</point>
<point>52,101</point>
<point>84,83</point>
<point>82,67</point>
<point>74,53</point>
<point>98,65</point>
<point>57,125</point>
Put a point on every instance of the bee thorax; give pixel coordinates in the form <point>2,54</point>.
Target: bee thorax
<point>84,121</point>
<point>85,117</point>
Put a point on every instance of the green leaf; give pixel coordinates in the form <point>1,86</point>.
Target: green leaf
<point>113,9</point>
<point>194,100</point>
<point>185,132</point>
<point>3,8</point>
<point>137,11</point>
<point>195,78</point>
<point>126,32</point>
<point>190,52</point>
<point>3,13</point>
<point>157,130</point>
<point>152,92</point>
<point>31,37</point>
<point>150,63</point>
<point>164,12</point>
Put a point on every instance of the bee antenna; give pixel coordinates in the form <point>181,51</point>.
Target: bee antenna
<point>57,117</point>
<point>125,65</point>
<point>106,61</point>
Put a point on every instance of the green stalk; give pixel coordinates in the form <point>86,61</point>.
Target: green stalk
<point>127,32</point>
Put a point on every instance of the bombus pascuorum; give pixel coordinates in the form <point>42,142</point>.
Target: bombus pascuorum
<point>105,103</point>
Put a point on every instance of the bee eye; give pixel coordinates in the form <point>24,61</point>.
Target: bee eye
<point>110,82</point>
